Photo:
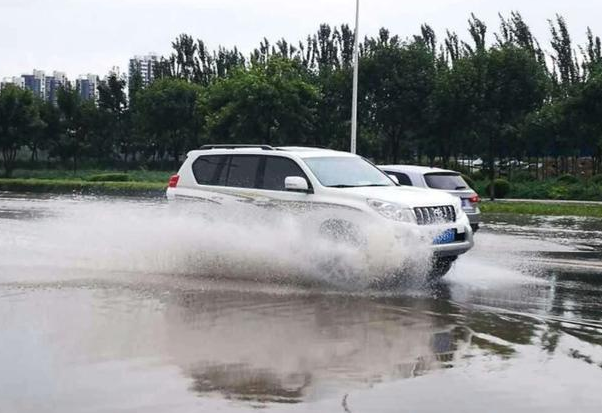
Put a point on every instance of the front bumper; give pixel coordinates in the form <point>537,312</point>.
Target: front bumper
<point>425,234</point>
<point>455,248</point>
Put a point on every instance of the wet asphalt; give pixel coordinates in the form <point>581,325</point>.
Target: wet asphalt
<point>515,327</point>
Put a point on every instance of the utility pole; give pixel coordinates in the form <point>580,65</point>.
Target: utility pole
<point>356,59</point>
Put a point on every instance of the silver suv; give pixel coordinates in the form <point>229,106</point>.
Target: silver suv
<point>442,180</point>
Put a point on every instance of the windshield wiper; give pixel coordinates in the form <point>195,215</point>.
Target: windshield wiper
<point>460,187</point>
<point>365,186</point>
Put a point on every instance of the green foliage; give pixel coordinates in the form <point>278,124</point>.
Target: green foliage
<point>167,112</point>
<point>522,176</point>
<point>270,103</point>
<point>558,192</point>
<point>110,177</point>
<point>501,188</point>
<point>420,100</point>
<point>549,189</point>
<point>534,208</point>
<point>392,68</point>
<point>83,187</point>
<point>567,179</point>
<point>477,175</point>
<point>18,118</point>
<point>86,174</point>
<point>597,179</point>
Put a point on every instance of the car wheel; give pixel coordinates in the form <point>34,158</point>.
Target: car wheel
<point>340,231</point>
<point>441,266</point>
<point>337,266</point>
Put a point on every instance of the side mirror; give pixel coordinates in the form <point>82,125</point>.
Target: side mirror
<point>296,184</point>
<point>394,179</point>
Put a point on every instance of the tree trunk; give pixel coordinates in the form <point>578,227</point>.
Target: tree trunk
<point>491,171</point>
<point>9,155</point>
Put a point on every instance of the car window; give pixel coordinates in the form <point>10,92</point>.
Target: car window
<point>402,178</point>
<point>445,180</point>
<point>276,170</point>
<point>243,171</point>
<point>210,170</point>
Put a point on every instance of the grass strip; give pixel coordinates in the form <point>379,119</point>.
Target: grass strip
<point>64,186</point>
<point>529,208</point>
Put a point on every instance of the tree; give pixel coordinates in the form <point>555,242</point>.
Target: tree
<point>514,85</point>
<point>18,117</point>
<point>397,80</point>
<point>77,121</point>
<point>112,101</point>
<point>167,112</point>
<point>270,104</point>
<point>36,139</point>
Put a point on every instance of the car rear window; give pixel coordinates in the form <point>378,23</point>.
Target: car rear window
<point>448,181</point>
<point>211,170</point>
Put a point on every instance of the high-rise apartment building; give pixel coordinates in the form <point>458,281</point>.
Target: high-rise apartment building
<point>15,80</point>
<point>53,83</point>
<point>87,85</point>
<point>146,66</point>
<point>42,86</point>
<point>36,82</point>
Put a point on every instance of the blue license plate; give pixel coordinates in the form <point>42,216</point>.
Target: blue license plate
<point>446,237</point>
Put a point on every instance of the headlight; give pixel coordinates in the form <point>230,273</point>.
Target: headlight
<point>392,211</point>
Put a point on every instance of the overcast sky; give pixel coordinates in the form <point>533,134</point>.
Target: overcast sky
<point>83,36</point>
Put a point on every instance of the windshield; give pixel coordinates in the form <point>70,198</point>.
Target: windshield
<point>447,181</point>
<point>347,172</point>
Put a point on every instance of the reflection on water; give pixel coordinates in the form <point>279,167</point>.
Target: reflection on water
<point>516,327</point>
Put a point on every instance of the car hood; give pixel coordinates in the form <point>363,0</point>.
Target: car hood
<point>406,195</point>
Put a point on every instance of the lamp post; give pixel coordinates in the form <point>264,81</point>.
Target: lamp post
<point>355,79</point>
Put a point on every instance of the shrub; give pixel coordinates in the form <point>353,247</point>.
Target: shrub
<point>558,192</point>
<point>501,188</point>
<point>109,177</point>
<point>597,179</point>
<point>522,176</point>
<point>567,179</point>
<point>478,175</point>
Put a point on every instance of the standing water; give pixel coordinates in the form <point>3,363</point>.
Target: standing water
<point>129,305</point>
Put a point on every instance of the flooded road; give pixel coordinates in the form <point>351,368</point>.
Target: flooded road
<point>106,306</point>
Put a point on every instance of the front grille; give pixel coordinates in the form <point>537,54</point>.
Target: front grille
<point>435,215</point>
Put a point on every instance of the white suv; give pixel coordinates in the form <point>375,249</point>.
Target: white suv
<point>339,182</point>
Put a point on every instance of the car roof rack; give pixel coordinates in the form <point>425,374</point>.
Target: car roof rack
<point>227,146</point>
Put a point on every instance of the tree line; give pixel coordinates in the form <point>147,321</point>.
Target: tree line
<point>499,95</point>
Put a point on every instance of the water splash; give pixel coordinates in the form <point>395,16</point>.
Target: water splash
<point>87,234</point>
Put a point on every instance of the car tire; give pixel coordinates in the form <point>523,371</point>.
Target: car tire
<point>341,231</point>
<point>339,270</point>
<point>441,266</point>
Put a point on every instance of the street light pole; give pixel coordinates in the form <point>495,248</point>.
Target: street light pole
<point>355,79</point>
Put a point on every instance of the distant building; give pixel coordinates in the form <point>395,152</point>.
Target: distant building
<point>42,86</point>
<point>53,83</point>
<point>87,85</point>
<point>15,80</point>
<point>36,82</point>
<point>146,66</point>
